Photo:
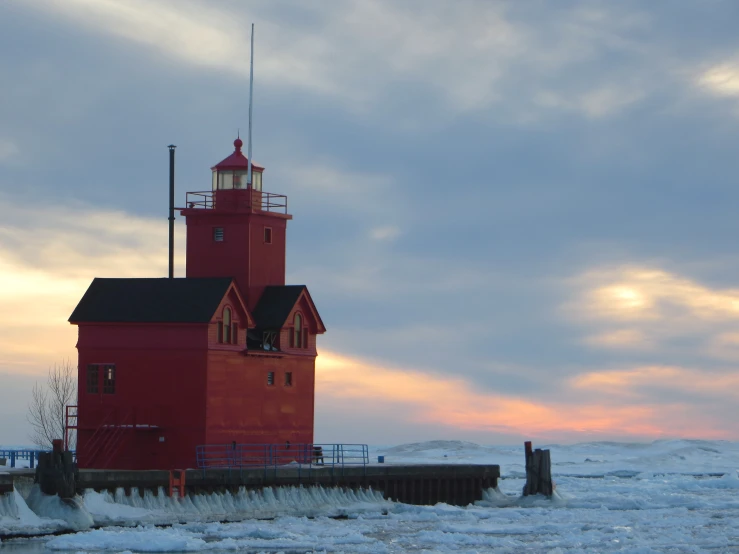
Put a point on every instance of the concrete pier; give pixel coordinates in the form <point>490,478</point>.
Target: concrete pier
<point>454,484</point>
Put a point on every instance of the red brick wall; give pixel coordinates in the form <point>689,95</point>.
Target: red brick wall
<point>243,253</point>
<point>242,407</point>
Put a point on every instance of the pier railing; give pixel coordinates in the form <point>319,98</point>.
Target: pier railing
<point>13,455</point>
<point>266,456</point>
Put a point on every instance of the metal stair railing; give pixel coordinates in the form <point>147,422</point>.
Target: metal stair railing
<point>86,454</point>
<point>117,438</point>
<point>105,441</point>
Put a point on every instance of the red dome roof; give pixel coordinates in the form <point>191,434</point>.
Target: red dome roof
<point>236,160</point>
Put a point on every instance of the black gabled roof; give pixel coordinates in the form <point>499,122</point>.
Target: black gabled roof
<point>151,300</point>
<point>275,305</point>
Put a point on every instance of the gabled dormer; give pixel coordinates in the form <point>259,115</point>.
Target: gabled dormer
<point>286,321</point>
<point>230,322</point>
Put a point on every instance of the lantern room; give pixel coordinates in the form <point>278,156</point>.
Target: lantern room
<point>232,172</point>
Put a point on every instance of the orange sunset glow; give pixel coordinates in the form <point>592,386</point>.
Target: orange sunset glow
<point>454,403</point>
<point>591,404</point>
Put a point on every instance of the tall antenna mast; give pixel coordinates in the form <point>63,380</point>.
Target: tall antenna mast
<point>251,96</point>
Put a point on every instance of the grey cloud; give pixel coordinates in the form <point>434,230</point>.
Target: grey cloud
<point>513,146</point>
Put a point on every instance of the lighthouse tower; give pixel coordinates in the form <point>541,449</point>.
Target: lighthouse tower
<point>237,230</point>
<point>224,355</point>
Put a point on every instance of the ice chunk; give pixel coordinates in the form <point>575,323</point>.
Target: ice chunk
<point>70,510</point>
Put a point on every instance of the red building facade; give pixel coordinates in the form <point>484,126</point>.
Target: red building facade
<point>225,355</point>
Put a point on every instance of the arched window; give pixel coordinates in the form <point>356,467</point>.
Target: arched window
<point>298,331</point>
<point>227,325</point>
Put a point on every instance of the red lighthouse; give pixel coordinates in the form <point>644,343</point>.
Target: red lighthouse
<point>243,236</point>
<point>225,355</point>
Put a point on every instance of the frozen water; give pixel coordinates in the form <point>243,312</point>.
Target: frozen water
<point>667,496</point>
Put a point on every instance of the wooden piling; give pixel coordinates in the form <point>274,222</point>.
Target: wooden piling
<point>538,471</point>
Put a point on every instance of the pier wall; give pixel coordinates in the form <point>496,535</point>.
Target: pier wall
<point>453,484</point>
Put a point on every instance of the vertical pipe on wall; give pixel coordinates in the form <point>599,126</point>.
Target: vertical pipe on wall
<point>171,210</point>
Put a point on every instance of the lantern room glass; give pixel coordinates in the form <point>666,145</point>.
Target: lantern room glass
<point>256,180</point>
<point>224,180</point>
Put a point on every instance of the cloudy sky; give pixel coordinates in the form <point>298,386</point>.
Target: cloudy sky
<point>518,219</point>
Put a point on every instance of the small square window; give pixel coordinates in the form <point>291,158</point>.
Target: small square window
<point>271,378</point>
<point>288,379</point>
<point>268,235</point>
<point>218,234</point>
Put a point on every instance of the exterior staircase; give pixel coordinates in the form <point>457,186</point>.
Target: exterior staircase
<point>114,430</point>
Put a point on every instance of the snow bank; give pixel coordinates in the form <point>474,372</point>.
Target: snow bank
<point>8,507</point>
<point>270,502</point>
<point>493,497</point>
<point>16,518</point>
<point>40,514</point>
<point>72,510</point>
<point>25,514</point>
<point>295,535</point>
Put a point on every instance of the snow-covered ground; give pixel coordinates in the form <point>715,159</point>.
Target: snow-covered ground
<point>665,496</point>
